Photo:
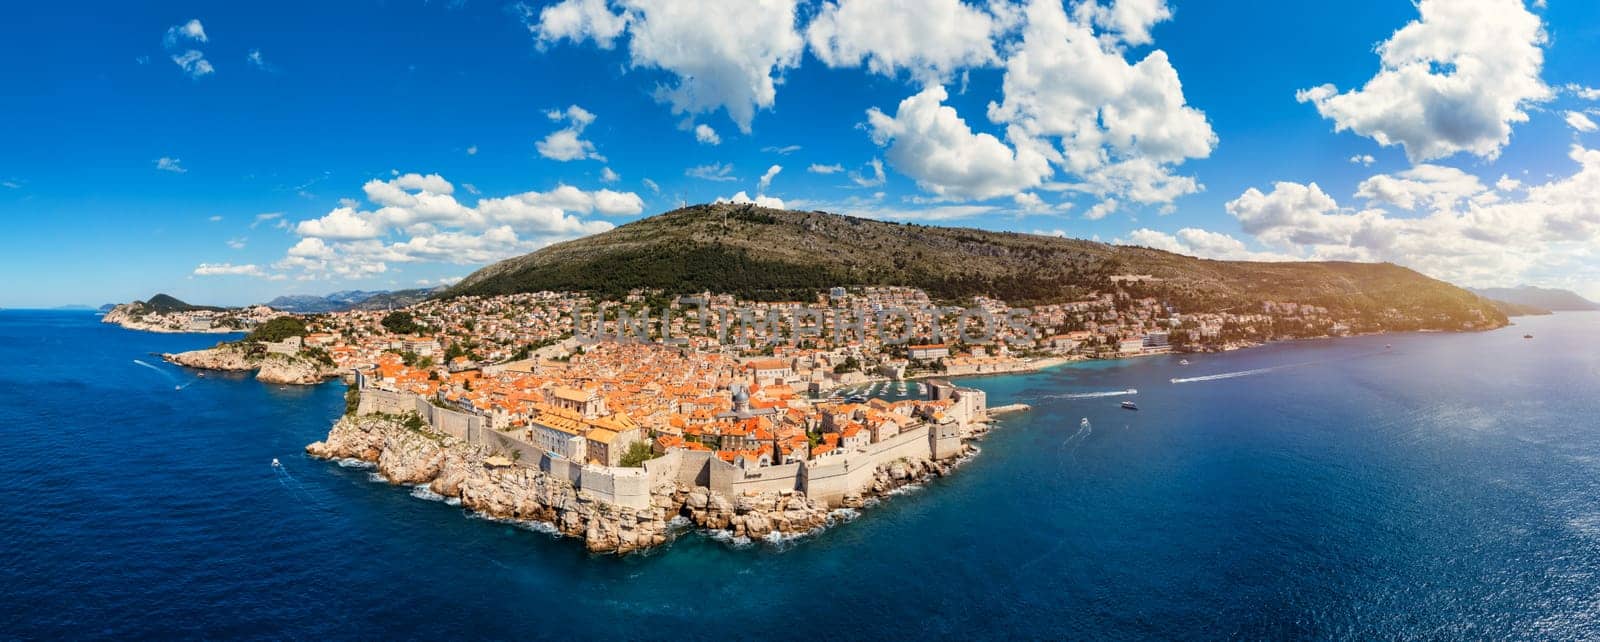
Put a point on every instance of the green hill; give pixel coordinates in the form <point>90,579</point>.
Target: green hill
<point>768,254</point>
<point>164,303</point>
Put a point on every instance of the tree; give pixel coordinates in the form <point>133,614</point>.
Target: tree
<point>401,322</point>
<point>638,452</point>
<point>277,330</point>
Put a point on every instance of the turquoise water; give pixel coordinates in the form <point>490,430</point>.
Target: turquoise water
<point>1447,488</point>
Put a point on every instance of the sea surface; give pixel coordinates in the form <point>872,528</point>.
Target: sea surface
<point>1446,488</point>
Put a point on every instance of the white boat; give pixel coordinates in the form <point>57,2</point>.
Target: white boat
<point>1129,405</point>
<point>1183,362</point>
<point>275,463</point>
<point>1084,424</point>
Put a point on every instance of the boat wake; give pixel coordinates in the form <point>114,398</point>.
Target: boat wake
<point>1093,395</point>
<point>1260,371</point>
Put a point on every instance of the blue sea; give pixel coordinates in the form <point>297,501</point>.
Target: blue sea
<point>1447,488</point>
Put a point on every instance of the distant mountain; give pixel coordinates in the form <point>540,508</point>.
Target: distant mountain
<point>1545,298</point>
<point>398,299</point>
<point>769,254</point>
<point>1517,309</point>
<point>312,304</point>
<point>348,300</point>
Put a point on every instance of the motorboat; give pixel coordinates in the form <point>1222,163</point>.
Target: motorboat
<point>1129,405</point>
<point>1084,424</point>
<point>1183,362</point>
<point>275,463</point>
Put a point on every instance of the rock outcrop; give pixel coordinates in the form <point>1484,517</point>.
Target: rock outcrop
<point>270,368</point>
<point>450,467</point>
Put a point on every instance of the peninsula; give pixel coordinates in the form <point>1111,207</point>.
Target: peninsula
<point>688,370</point>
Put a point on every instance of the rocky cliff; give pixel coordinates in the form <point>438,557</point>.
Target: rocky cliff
<point>411,455</point>
<point>270,368</point>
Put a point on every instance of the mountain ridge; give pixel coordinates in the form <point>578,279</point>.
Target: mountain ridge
<point>767,254</point>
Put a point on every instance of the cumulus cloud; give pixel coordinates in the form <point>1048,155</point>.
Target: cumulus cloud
<point>1122,128</point>
<point>566,144</point>
<point>228,269</point>
<point>723,54</point>
<point>574,21</point>
<point>766,179</point>
<point>1129,20</point>
<point>1454,80</point>
<point>1070,101</point>
<point>706,135</point>
<point>167,164</point>
<point>760,200</point>
<point>1580,122</point>
<point>1192,241</point>
<point>192,61</point>
<point>1365,160</point>
<point>609,176</point>
<point>1586,93</point>
<point>928,141</point>
<point>872,179</point>
<point>930,39</point>
<point>416,218</point>
<point>1466,233</point>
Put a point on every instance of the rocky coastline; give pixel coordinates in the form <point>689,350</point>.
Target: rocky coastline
<point>128,317</point>
<point>406,453</point>
<point>269,367</point>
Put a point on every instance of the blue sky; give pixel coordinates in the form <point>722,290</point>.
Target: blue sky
<point>228,153</point>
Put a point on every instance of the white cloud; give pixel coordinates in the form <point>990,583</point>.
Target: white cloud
<point>759,200</point>
<point>930,39</point>
<point>651,185</point>
<point>1586,93</point>
<point>706,135</point>
<point>191,30</point>
<point>268,216</point>
<point>781,151</point>
<point>193,63</point>
<point>472,150</point>
<point>1205,244</point>
<point>928,141</point>
<point>237,243</point>
<point>1032,203</point>
<point>874,179</point>
<point>257,60</point>
<point>1580,122</point>
<point>1122,128</point>
<point>1454,80</point>
<point>1429,186</point>
<point>1102,209</point>
<point>1542,233</point>
<point>575,21</point>
<point>817,168</point>
<point>766,179</point>
<point>712,172</point>
<point>1365,160</point>
<point>228,269</point>
<point>723,54</point>
<point>167,164</point>
<point>418,219</point>
<point>609,176</point>
<point>566,144</point>
<point>1130,20</point>
<point>215,218</point>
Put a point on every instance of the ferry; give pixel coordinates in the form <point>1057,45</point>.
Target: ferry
<point>1129,405</point>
